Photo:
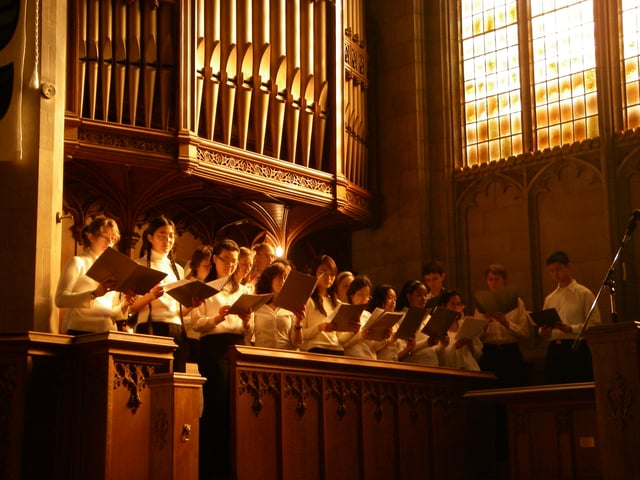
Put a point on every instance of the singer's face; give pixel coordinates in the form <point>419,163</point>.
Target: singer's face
<point>494,282</point>
<point>434,282</point>
<point>418,298</point>
<point>560,273</point>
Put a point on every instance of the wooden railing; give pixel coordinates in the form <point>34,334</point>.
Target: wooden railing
<point>314,416</point>
<point>106,406</point>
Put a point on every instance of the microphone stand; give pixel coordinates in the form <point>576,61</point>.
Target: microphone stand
<point>608,282</point>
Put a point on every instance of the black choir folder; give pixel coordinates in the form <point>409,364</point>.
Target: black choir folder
<point>128,275</point>
<point>185,290</point>
<point>546,318</point>
<point>345,316</point>
<point>503,301</point>
<point>413,317</point>
<point>380,322</point>
<point>439,322</point>
<point>471,328</point>
<point>296,290</point>
<point>247,303</point>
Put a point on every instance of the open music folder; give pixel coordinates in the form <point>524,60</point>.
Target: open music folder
<point>439,322</point>
<point>413,317</point>
<point>503,300</point>
<point>380,322</point>
<point>296,290</point>
<point>471,328</point>
<point>248,302</point>
<point>128,274</point>
<point>345,316</point>
<point>546,318</point>
<point>188,289</point>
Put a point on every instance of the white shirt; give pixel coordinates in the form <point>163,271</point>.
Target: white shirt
<point>274,328</point>
<point>357,346</point>
<point>519,327</point>
<point>464,357</point>
<point>573,303</point>
<point>165,308</point>
<point>203,318</point>
<point>74,293</point>
<point>312,337</point>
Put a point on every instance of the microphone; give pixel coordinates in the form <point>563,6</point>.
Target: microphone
<point>635,216</point>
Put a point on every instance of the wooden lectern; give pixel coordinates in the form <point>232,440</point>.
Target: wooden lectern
<point>616,362</point>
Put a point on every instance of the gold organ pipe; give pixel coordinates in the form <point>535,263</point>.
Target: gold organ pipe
<point>245,70</point>
<point>82,53</point>
<point>135,58</point>
<point>295,80</point>
<point>93,15</point>
<point>261,72</point>
<point>120,50</point>
<point>230,66</point>
<point>106,65</point>
<point>279,74</point>
<point>166,63</point>
<point>150,59</point>
<point>213,65</point>
<point>320,78</point>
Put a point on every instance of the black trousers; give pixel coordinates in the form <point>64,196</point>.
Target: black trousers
<point>165,329</point>
<point>563,365</point>
<point>215,426</point>
<point>505,361</point>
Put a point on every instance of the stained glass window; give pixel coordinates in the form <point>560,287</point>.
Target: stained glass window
<point>631,61</point>
<point>562,76</point>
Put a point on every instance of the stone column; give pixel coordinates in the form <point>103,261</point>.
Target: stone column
<point>32,105</point>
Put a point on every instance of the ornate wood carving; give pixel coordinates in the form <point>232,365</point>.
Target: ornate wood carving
<point>302,388</point>
<point>160,430</point>
<point>379,394</point>
<point>262,170</point>
<point>413,396</point>
<point>258,384</point>
<point>131,141</point>
<point>342,391</point>
<point>448,402</point>
<point>620,396</point>
<point>133,378</point>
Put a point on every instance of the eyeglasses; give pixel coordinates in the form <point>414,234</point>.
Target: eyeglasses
<point>108,238</point>
<point>231,263</point>
<point>165,237</point>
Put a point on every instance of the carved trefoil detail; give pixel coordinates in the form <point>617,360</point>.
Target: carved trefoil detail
<point>258,384</point>
<point>620,397</point>
<point>378,394</point>
<point>133,378</point>
<point>160,430</point>
<point>341,391</point>
<point>302,388</point>
<point>413,396</point>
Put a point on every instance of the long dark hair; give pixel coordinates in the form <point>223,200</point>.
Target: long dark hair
<point>358,283</point>
<point>201,253</point>
<point>265,280</point>
<point>379,296</point>
<point>408,288</point>
<point>145,249</point>
<point>315,295</point>
<point>218,247</point>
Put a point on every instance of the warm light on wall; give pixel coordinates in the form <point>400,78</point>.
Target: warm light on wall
<point>279,251</point>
